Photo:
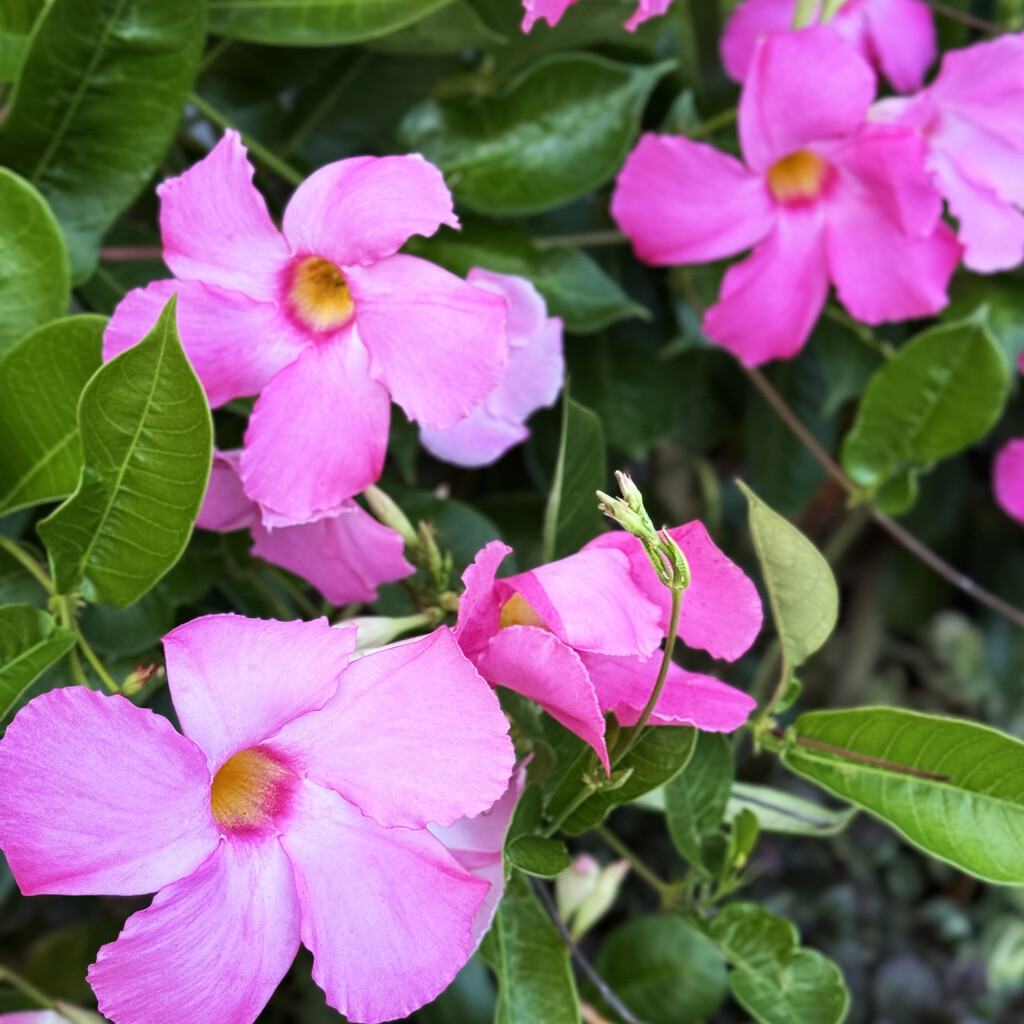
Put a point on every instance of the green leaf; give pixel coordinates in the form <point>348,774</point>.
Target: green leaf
<point>779,811</point>
<point>530,961</point>
<point>315,22</point>
<point>696,798</point>
<point>573,285</point>
<point>802,589</point>
<point>147,441</point>
<point>525,849</point>
<point>663,969</point>
<point>571,518</point>
<point>936,396</point>
<point>560,130</point>
<point>772,978</point>
<point>35,282</point>
<point>30,642</point>
<point>41,380</point>
<point>16,19</point>
<point>97,104</point>
<point>971,814</point>
<point>452,29</point>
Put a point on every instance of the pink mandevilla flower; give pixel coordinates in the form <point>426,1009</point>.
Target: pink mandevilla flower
<point>1008,479</point>
<point>551,11</point>
<point>293,809</point>
<point>824,196</point>
<point>346,555</point>
<point>324,319</point>
<point>896,36</point>
<point>582,636</point>
<point>972,121</point>
<point>536,370</point>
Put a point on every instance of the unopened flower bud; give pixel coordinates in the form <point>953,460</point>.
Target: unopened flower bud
<point>585,892</point>
<point>388,512</point>
<point>136,680</point>
<point>375,631</point>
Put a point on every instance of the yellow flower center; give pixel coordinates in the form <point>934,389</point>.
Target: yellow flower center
<point>517,611</point>
<point>319,295</point>
<point>250,789</point>
<point>799,176</point>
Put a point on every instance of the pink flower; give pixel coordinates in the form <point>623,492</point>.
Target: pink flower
<point>1008,479</point>
<point>896,36</point>
<point>536,369</point>
<point>824,196</point>
<point>293,809</point>
<point>552,10</point>
<point>972,121</point>
<point>325,320</point>
<point>33,1017</point>
<point>581,636</point>
<point>346,555</point>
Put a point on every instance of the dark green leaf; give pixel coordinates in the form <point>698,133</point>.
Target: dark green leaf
<point>16,19</point>
<point>30,641</point>
<point>97,104</point>
<point>147,442</point>
<point>41,380</point>
<point>525,849</point>
<point>452,29</point>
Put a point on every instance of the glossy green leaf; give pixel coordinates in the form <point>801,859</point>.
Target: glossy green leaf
<point>99,98</point>
<point>147,442</point>
<point>936,396</point>
<point>41,380</point>
<point>561,129</point>
<point>315,22</point>
<point>30,642</point>
<point>527,850</point>
<point>16,20</point>
<point>455,27</point>
<point>779,811</point>
<point>573,285</point>
<point>530,961</point>
<point>664,970</point>
<point>802,589</point>
<point>571,517</point>
<point>35,282</point>
<point>970,811</point>
<point>772,978</point>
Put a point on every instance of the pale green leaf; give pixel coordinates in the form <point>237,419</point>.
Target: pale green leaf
<point>30,641</point>
<point>779,811</point>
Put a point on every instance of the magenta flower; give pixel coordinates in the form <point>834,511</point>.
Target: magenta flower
<point>896,36</point>
<point>972,121</point>
<point>293,809</point>
<point>552,10</point>
<point>1008,479</point>
<point>325,320</point>
<point>536,369</point>
<point>823,197</point>
<point>581,636</point>
<point>346,555</point>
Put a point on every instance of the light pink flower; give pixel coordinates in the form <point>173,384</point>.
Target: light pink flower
<point>896,36</point>
<point>325,320</point>
<point>551,11</point>
<point>346,555</point>
<point>823,197</point>
<point>536,370</point>
<point>972,121</point>
<point>293,809</point>
<point>1008,479</point>
<point>581,636</point>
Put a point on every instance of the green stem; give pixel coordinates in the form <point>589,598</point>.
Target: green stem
<point>302,602</point>
<point>619,847</point>
<point>804,13</point>
<point>330,98</point>
<point>97,665</point>
<point>272,161</point>
<point>24,558</point>
<point>569,810</point>
<point>712,124</point>
<point>831,9</point>
<point>26,987</point>
<point>860,331</point>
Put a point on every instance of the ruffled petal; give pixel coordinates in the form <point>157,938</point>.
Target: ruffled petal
<point>211,948</point>
<point>216,228</point>
<point>803,87</point>
<point>770,301</point>
<point>99,796</point>
<point>392,927</point>
<point>235,681</point>
<point>747,24</point>
<point>346,556</point>
<point>360,210</point>
<point>318,433</point>
<point>550,11</point>
<point>480,605</point>
<point>1008,479</point>
<point>226,506</point>
<point>681,201</point>
<point>903,40</point>
<point>234,343</point>
<point>645,10</point>
<point>413,735</point>
<point>437,343</point>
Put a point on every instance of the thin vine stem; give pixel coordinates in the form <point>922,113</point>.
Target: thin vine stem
<point>617,846</point>
<point>120,253</point>
<point>90,656</point>
<point>981,24</point>
<point>16,551</point>
<point>25,987</point>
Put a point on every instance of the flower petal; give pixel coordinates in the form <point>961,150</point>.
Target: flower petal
<point>318,433</point>
<point>762,313</point>
<point>903,39</point>
<point>413,735</point>
<point>216,228</point>
<point>478,440</point>
<point>748,23</point>
<point>99,796</point>
<point>681,201</point>
<point>549,672</point>
<point>226,506</point>
<point>211,948</point>
<point>645,10</point>
<point>234,343</point>
<point>387,913</point>
<point>437,343</point>
<point>480,605</point>
<point>1008,479</point>
<point>803,87</point>
<point>550,10</point>
<point>235,681</point>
